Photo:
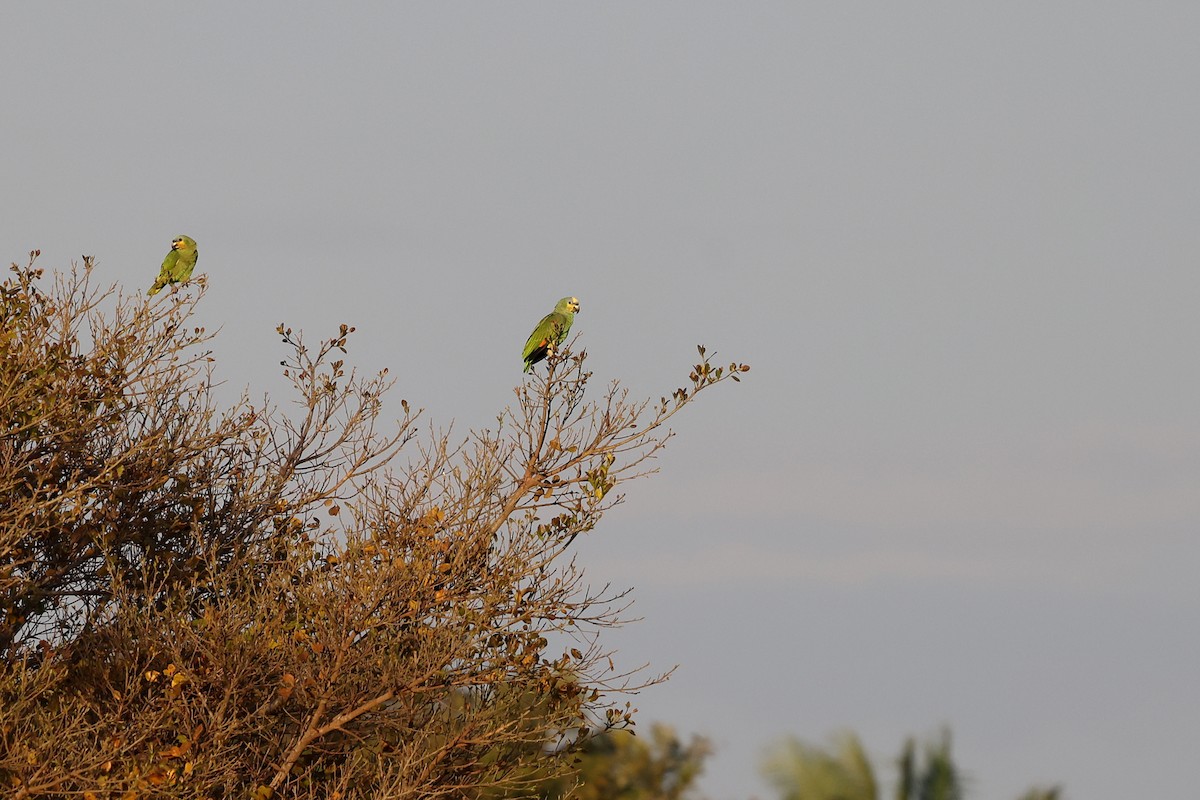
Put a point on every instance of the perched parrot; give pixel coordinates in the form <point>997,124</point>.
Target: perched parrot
<point>550,332</point>
<point>178,265</point>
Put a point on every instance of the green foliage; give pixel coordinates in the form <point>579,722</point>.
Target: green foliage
<point>1053,793</point>
<point>617,765</point>
<point>935,777</point>
<point>804,772</point>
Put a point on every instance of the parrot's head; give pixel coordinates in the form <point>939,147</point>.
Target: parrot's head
<point>568,305</point>
<point>183,243</point>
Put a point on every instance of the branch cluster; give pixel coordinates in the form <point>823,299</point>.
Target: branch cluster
<point>300,601</point>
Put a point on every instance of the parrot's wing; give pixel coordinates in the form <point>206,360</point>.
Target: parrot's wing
<point>165,274</point>
<point>548,333</point>
<point>184,265</point>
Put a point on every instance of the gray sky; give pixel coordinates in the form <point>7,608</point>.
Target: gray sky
<point>956,241</point>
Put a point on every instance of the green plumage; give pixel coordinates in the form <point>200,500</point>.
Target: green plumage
<point>178,265</point>
<point>550,332</point>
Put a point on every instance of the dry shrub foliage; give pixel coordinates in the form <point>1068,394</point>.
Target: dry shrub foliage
<point>298,600</point>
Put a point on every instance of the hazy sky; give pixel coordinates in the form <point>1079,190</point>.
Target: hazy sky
<point>957,242</point>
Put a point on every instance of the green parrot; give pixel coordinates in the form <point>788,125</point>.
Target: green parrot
<point>550,332</point>
<point>178,265</point>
